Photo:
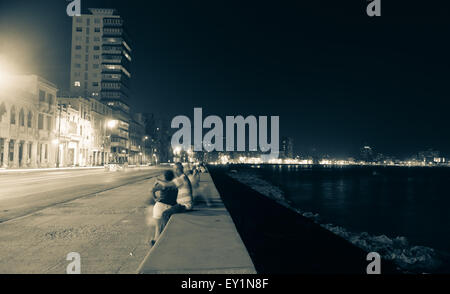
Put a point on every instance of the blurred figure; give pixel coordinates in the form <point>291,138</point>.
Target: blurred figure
<point>194,177</point>
<point>185,200</point>
<point>166,199</point>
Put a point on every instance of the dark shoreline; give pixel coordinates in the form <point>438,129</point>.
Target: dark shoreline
<point>280,241</point>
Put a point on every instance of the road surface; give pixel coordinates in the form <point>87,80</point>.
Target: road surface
<point>101,215</point>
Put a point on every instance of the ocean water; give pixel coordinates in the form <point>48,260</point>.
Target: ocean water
<point>403,213</point>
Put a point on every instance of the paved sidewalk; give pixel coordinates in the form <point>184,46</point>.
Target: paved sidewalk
<point>204,241</point>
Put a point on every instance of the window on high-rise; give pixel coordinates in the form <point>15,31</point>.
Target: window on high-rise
<point>79,29</point>
<point>97,30</point>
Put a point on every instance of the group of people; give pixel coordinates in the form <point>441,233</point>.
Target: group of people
<point>173,194</point>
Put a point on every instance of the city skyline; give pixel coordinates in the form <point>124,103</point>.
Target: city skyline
<point>332,97</point>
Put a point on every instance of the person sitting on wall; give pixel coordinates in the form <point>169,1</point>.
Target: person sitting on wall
<point>194,178</point>
<point>185,200</point>
<point>198,192</point>
<point>167,198</point>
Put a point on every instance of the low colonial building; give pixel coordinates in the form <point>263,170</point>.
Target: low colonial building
<point>138,154</point>
<point>82,131</point>
<point>27,122</point>
<point>101,115</point>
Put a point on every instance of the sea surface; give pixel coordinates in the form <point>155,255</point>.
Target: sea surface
<point>403,213</point>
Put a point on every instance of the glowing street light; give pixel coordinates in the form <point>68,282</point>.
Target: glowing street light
<point>6,73</point>
<point>112,123</point>
<point>177,150</point>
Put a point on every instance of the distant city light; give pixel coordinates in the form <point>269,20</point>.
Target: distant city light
<point>177,150</point>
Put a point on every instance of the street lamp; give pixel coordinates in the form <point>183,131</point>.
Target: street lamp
<point>5,73</point>
<point>112,123</point>
<point>177,150</point>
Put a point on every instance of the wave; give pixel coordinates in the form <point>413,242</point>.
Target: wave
<point>407,257</point>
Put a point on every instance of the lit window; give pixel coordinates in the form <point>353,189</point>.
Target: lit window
<point>77,84</point>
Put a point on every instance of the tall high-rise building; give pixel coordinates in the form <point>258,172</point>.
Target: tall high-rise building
<point>287,148</point>
<point>100,68</point>
<point>366,153</point>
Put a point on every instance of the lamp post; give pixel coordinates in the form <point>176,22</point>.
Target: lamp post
<point>59,137</point>
<point>111,125</point>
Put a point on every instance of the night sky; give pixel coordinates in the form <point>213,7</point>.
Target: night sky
<point>337,78</point>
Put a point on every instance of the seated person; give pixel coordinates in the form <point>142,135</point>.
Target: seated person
<point>185,201</point>
<point>167,198</point>
<point>194,178</point>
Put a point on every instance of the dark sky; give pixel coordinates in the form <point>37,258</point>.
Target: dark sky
<point>337,78</point>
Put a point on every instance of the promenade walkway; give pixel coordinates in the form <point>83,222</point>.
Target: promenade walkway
<point>204,241</point>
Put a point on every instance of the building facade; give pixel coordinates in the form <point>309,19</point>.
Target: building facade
<point>82,131</point>
<point>101,116</point>
<point>27,122</point>
<point>287,148</point>
<point>138,153</point>
<point>100,68</point>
